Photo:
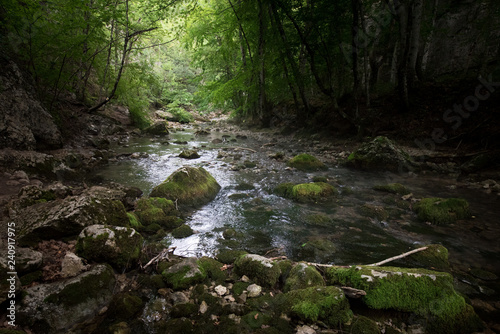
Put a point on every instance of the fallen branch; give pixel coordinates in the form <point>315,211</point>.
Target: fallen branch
<point>162,256</point>
<point>398,257</point>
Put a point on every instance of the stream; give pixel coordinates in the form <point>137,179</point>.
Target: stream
<point>247,215</point>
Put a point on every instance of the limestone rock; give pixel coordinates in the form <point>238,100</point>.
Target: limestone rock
<point>254,290</point>
<point>189,154</point>
<point>381,154</point>
<point>258,268</point>
<point>184,274</point>
<point>72,265</point>
<point>116,245</point>
<point>189,186</point>
<point>159,128</point>
<point>28,260</point>
<point>24,123</point>
<point>58,306</point>
<point>303,276</point>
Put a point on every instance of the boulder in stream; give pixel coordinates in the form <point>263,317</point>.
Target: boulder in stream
<point>56,307</point>
<point>189,187</point>
<point>189,154</point>
<point>306,192</point>
<point>381,154</point>
<point>307,163</point>
<point>441,211</point>
<point>425,293</point>
<point>303,276</point>
<point>159,128</point>
<point>260,269</point>
<point>116,245</point>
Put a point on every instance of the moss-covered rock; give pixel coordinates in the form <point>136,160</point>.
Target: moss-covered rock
<point>189,154</point>
<point>423,292</point>
<point>159,128</point>
<point>57,306</point>
<point>380,154</point>
<point>189,187</point>
<point>373,211</point>
<point>442,211</point>
<point>306,162</point>
<point>435,257</point>
<point>393,188</point>
<point>303,276</point>
<point>213,269</point>
<point>361,324</point>
<point>184,274</point>
<point>327,304</point>
<point>157,210</point>
<point>124,306</point>
<point>228,256</point>
<point>306,192</point>
<point>319,220</point>
<point>258,268</point>
<point>118,246</point>
<point>182,231</point>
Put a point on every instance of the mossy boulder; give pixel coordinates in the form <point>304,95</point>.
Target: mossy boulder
<point>182,231</point>
<point>441,211</point>
<point>361,324</point>
<point>423,292</point>
<point>303,276</point>
<point>327,304</point>
<point>57,307</point>
<point>393,188</point>
<point>435,257</point>
<point>189,187</point>
<point>157,210</point>
<point>307,192</point>
<point>118,246</point>
<point>258,268</point>
<point>189,154</point>
<point>159,128</point>
<point>124,306</point>
<point>380,154</point>
<point>306,162</point>
<point>184,274</point>
<point>373,211</point>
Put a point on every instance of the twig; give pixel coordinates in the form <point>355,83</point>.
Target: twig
<point>241,148</point>
<point>398,257</point>
<point>162,256</point>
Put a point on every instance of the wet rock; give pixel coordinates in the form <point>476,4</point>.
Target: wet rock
<point>158,211</point>
<point>361,324</point>
<point>118,246</point>
<point>189,154</point>
<point>435,257</point>
<point>24,123</point>
<point>159,128</point>
<point>258,268</point>
<point>424,292</point>
<point>303,276</point>
<point>184,274</point>
<point>28,260</point>
<point>440,211</point>
<point>182,231</point>
<point>56,307</point>
<point>189,187</point>
<point>381,154</point>
<point>34,163</point>
<point>220,290</point>
<point>306,162</point>
<point>72,265</point>
<point>327,304</point>
<point>306,192</point>
<point>67,217</point>
<point>124,306</point>
<point>393,188</point>
<point>374,211</point>
<point>305,330</point>
<point>254,290</point>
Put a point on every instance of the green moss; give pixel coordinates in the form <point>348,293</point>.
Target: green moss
<point>183,231</point>
<point>327,304</point>
<point>303,276</point>
<point>442,211</point>
<point>228,256</point>
<point>306,162</point>
<point>257,268</point>
<point>393,188</point>
<point>363,325</point>
<point>184,275</point>
<point>155,210</point>
<point>213,269</point>
<point>256,319</point>
<point>184,310</point>
<point>134,222</point>
<point>320,179</point>
<point>239,287</point>
<point>319,220</point>
<point>435,257</point>
<point>189,186</point>
<point>373,211</point>
<point>284,189</point>
<point>312,192</point>
<point>88,287</point>
<point>31,277</point>
<point>124,306</point>
<point>421,291</point>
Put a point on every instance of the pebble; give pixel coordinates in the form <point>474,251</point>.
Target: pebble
<point>220,290</point>
<point>203,307</point>
<point>254,290</point>
<point>305,330</point>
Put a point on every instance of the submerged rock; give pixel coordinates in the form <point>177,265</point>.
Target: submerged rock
<point>426,293</point>
<point>393,188</point>
<point>56,307</point>
<point>381,154</point>
<point>189,187</point>
<point>306,162</point>
<point>442,211</point>
<point>306,192</point>
<point>118,246</point>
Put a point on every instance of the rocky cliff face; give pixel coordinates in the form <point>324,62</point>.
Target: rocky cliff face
<point>24,123</point>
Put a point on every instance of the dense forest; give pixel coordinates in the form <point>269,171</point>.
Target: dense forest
<point>266,60</point>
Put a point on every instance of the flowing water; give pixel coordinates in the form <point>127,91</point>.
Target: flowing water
<point>335,233</point>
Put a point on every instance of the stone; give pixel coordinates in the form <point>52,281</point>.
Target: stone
<point>119,246</point>
<point>203,307</point>
<point>189,154</point>
<point>393,188</point>
<point>220,290</point>
<point>441,211</point>
<point>189,187</point>
<point>305,330</point>
<point>178,297</point>
<point>254,290</point>
<point>184,274</point>
<point>72,265</point>
<point>24,123</point>
<point>424,292</point>
<point>381,154</point>
<point>306,162</point>
<point>303,276</point>
<point>159,128</point>
<point>158,210</point>
<point>69,216</point>
<point>307,192</point>
<point>57,307</point>
<point>258,268</point>
<point>28,260</point>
